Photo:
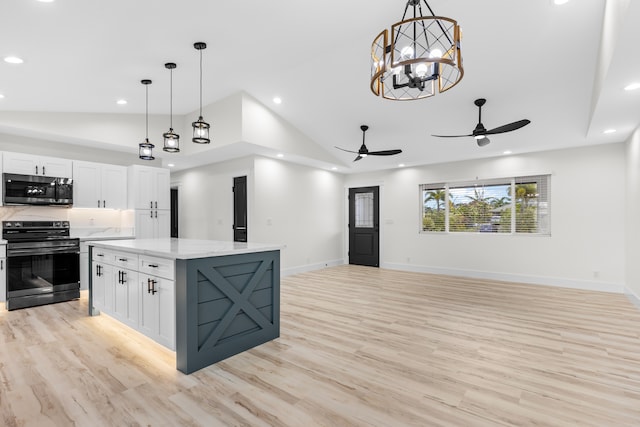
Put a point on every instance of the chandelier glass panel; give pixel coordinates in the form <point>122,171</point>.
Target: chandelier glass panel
<point>419,56</point>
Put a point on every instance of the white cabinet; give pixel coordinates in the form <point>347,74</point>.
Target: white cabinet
<point>149,187</point>
<point>29,164</point>
<point>138,291</point>
<point>102,286</point>
<point>157,309</point>
<point>98,185</point>
<point>3,273</point>
<point>126,301</point>
<point>153,223</point>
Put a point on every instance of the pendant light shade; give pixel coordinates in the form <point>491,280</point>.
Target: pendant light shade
<point>200,127</point>
<point>171,139</point>
<point>145,149</point>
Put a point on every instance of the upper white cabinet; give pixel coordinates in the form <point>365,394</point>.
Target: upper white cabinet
<point>29,164</point>
<point>98,185</point>
<point>149,188</point>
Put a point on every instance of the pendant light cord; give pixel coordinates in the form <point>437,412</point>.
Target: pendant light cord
<point>146,114</point>
<point>200,82</point>
<point>171,99</point>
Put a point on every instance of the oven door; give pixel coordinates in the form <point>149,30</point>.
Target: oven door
<point>39,274</point>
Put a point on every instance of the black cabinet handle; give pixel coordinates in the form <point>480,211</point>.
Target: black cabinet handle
<point>98,203</point>
<point>151,214</point>
<point>148,286</point>
<point>153,287</point>
<point>43,172</point>
<point>124,277</point>
<point>153,265</point>
<point>150,205</point>
<point>122,259</point>
<point>104,204</point>
<point>36,170</point>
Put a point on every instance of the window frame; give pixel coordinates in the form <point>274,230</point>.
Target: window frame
<point>543,195</point>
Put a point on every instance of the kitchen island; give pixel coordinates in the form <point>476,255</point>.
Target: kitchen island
<point>205,299</point>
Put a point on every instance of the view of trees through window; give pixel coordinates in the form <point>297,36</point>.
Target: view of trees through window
<point>519,205</point>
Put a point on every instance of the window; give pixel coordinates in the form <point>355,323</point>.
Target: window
<point>510,205</point>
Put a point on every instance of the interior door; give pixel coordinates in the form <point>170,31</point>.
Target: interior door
<point>364,226</point>
<point>240,209</point>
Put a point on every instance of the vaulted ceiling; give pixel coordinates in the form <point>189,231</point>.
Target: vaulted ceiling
<point>562,67</point>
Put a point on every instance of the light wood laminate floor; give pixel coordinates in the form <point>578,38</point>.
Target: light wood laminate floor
<point>358,346</point>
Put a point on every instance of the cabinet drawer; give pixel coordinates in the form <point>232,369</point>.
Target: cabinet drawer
<point>102,255</point>
<point>161,267</point>
<point>125,260</point>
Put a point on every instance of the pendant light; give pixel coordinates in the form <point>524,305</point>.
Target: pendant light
<point>419,57</point>
<point>171,139</point>
<point>145,149</point>
<point>200,127</point>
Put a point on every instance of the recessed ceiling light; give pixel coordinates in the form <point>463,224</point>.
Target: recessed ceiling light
<point>559,2</point>
<point>280,155</point>
<point>121,102</point>
<point>1,96</point>
<point>609,131</point>
<point>401,165</point>
<point>506,153</point>
<point>277,100</point>
<point>170,165</point>
<point>632,86</point>
<point>46,1</point>
<point>334,168</point>
<point>13,60</point>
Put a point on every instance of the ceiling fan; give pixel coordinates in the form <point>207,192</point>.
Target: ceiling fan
<point>364,152</point>
<point>480,132</point>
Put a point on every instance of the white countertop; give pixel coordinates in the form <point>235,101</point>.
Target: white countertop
<point>184,248</point>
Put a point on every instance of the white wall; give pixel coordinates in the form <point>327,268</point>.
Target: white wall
<point>205,199</point>
<point>632,223</point>
<point>289,204</point>
<point>301,208</point>
<point>586,248</point>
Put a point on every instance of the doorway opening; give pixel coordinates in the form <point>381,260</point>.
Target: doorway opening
<point>174,212</point>
<point>240,231</point>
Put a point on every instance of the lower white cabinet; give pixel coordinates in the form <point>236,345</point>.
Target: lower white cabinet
<point>157,309</point>
<point>3,273</point>
<point>132,289</point>
<point>126,297</point>
<point>102,282</point>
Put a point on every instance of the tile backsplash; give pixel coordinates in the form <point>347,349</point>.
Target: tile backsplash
<point>84,222</point>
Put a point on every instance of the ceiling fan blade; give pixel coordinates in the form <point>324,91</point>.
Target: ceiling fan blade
<point>357,158</point>
<point>348,151</point>
<point>451,136</point>
<point>483,141</point>
<point>384,152</point>
<point>508,128</point>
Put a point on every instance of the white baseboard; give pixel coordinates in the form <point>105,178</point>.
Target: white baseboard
<point>310,267</point>
<point>518,278</point>
<point>633,297</point>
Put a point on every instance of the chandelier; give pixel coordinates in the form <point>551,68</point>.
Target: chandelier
<point>421,54</point>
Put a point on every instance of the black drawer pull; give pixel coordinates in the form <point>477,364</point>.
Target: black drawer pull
<point>153,265</point>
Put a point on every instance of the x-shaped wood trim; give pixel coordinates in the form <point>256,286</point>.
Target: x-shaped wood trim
<point>240,301</point>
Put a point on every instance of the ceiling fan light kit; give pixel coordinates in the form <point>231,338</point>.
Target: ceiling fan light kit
<point>480,132</point>
<point>364,151</point>
<point>420,56</point>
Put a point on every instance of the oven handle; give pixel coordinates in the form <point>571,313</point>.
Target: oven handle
<point>41,251</point>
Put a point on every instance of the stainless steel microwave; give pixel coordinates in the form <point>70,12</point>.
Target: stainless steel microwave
<point>36,190</point>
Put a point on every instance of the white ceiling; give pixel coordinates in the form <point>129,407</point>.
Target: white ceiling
<point>530,59</point>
